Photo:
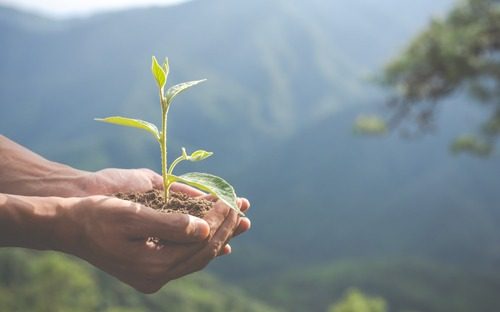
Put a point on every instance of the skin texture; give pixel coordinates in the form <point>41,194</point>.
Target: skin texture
<point>50,206</point>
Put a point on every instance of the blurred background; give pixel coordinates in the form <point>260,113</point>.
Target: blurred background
<point>362,131</point>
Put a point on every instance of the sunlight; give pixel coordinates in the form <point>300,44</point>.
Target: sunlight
<point>64,9</point>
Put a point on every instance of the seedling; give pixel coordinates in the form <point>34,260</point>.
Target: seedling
<point>203,181</point>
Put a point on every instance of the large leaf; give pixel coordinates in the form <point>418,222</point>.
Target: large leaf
<point>175,90</point>
<point>211,184</point>
<point>158,73</point>
<point>135,123</point>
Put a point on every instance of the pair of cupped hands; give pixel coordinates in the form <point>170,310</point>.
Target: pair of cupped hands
<point>117,231</point>
<point>112,234</point>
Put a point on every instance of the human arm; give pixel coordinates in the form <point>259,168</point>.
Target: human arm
<point>24,172</point>
<point>27,173</point>
<point>112,234</point>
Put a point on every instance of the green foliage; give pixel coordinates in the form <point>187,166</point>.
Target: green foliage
<point>492,126</point>
<point>48,283</point>
<point>212,184</point>
<point>135,123</point>
<point>194,157</point>
<point>172,92</point>
<point>355,301</point>
<point>471,144</point>
<point>370,125</point>
<point>197,155</point>
<point>404,284</point>
<point>457,52</point>
<point>206,182</point>
<point>160,74</point>
<point>450,52</point>
<point>52,282</point>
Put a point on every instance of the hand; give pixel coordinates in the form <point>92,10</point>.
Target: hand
<point>243,203</point>
<point>112,234</point>
<point>112,180</point>
<point>109,181</point>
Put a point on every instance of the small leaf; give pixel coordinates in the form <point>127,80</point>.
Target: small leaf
<point>175,90</point>
<point>135,123</point>
<point>212,184</point>
<point>158,73</point>
<point>199,155</point>
<point>166,68</point>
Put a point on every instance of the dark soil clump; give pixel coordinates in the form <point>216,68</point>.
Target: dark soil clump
<point>177,203</point>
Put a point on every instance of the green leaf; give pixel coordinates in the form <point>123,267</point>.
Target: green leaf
<point>135,123</point>
<point>175,90</point>
<point>158,73</point>
<point>195,156</point>
<point>199,155</point>
<point>211,184</point>
<point>166,68</point>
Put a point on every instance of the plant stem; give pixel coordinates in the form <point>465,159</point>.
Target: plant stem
<point>163,145</point>
<point>174,163</point>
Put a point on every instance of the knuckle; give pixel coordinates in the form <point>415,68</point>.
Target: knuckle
<point>214,249</point>
<point>189,227</point>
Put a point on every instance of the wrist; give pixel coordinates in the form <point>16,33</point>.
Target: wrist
<point>67,225</point>
<point>29,222</point>
<point>63,181</point>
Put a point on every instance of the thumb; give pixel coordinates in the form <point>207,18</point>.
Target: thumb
<point>173,227</point>
<point>155,178</point>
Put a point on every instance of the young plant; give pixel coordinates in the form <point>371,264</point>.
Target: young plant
<point>203,181</point>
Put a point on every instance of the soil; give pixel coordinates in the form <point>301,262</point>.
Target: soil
<point>177,203</point>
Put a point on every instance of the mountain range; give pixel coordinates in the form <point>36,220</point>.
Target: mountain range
<point>286,80</point>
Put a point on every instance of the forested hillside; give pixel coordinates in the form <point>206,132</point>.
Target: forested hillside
<point>401,219</point>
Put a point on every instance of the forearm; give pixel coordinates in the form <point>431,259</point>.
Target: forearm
<point>30,222</point>
<point>23,172</point>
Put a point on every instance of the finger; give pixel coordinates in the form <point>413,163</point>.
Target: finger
<point>223,234</point>
<point>155,178</point>
<point>216,216</point>
<point>225,251</point>
<point>244,204</point>
<point>219,240</point>
<point>186,189</point>
<point>211,250</point>
<point>243,226</point>
<point>208,197</point>
<point>171,227</point>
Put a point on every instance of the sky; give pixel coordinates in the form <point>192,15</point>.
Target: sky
<point>74,8</point>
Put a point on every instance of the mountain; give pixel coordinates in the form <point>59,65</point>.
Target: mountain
<point>328,194</point>
<point>286,79</point>
<point>272,68</point>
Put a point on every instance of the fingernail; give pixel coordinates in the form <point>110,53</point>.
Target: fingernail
<point>201,228</point>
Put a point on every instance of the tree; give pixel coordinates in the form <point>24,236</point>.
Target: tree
<point>355,301</point>
<point>455,53</point>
